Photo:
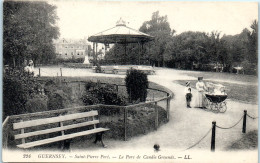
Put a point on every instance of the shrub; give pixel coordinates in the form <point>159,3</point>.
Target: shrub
<point>249,68</point>
<point>97,93</point>
<point>59,95</point>
<point>18,88</point>
<point>49,87</point>
<point>38,104</point>
<point>55,102</point>
<point>136,85</point>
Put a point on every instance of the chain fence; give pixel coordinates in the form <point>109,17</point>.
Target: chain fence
<point>252,117</point>
<point>211,129</point>
<point>199,140</point>
<point>231,126</point>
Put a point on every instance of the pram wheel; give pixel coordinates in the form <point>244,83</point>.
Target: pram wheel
<point>222,107</point>
<point>214,107</point>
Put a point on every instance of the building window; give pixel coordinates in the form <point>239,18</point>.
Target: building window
<point>65,53</point>
<point>66,47</point>
<point>78,53</point>
<point>71,53</point>
<point>72,47</point>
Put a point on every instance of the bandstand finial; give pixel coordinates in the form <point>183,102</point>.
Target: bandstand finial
<point>120,22</point>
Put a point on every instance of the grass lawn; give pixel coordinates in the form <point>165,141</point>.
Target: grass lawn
<point>248,141</point>
<point>237,92</point>
<point>222,76</point>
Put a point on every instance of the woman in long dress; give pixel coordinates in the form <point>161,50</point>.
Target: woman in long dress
<point>29,68</point>
<point>201,87</point>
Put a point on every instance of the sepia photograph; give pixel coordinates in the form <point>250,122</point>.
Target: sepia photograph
<point>129,81</point>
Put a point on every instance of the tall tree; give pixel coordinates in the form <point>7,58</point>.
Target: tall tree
<point>236,49</point>
<point>252,43</point>
<point>188,48</point>
<point>29,29</point>
<point>158,27</point>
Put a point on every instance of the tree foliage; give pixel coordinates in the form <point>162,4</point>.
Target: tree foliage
<point>28,31</point>
<point>18,88</point>
<point>189,47</point>
<point>159,28</point>
<point>191,50</point>
<point>253,43</point>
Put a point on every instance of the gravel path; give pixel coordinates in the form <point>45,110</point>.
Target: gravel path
<point>186,126</point>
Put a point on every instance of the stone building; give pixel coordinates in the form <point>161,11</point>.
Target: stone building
<point>68,48</point>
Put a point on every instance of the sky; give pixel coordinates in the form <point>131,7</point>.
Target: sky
<point>80,19</point>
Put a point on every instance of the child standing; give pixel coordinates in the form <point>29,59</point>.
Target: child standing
<point>188,94</point>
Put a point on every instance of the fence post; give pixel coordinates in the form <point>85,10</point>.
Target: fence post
<point>213,136</point>
<point>156,116</point>
<point>116,88</point>
<point>79,92</point>
<point>244,122</point>
<point>5,139</point>
<point>61,72</point>
<point>125,123</point>
<point>39,72</point>
<point>22,132</point>
<point>5,131</point>
<point>168,107</point>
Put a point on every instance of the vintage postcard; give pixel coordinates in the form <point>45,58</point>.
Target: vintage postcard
<point>130,81</point>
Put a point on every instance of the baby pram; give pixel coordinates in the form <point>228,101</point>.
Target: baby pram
<point>215,98</point>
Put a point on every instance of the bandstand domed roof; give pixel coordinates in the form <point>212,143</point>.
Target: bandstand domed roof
<point>120,34</point>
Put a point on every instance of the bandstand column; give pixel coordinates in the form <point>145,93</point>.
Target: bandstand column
<point>96,51</point>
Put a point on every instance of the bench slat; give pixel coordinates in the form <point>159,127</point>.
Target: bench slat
<point>53,119</point>
<point>41,132</point>
<point>60,138</point>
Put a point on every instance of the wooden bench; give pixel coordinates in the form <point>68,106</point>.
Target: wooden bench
<point>121,69</point>
<point>63,127</point>
<point>107,69</point>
